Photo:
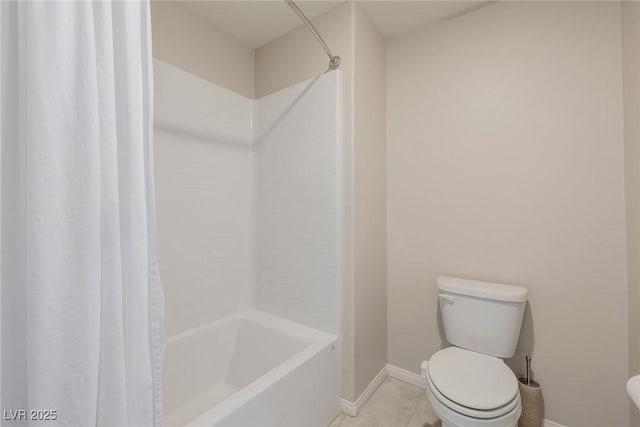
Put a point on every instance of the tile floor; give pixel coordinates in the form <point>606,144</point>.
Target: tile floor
<point>394,404</point>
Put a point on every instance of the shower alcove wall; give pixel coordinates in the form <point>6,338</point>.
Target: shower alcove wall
<point>248,237</point>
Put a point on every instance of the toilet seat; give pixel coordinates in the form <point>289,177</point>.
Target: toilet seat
<point>472,384</point>
<point>471,412</point>
<point>452,418</point>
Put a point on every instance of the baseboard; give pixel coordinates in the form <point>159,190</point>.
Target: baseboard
<point>406,376</point>
<point>417,380</point>
<point>353,408</point>
<point>348,407</point>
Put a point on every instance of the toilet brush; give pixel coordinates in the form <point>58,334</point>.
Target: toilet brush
<point>531,398</point>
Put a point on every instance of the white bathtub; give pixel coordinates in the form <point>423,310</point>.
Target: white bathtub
<point>252,369</point>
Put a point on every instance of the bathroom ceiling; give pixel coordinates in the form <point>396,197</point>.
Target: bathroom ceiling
<point>256,23</point>
<point>394,18</point>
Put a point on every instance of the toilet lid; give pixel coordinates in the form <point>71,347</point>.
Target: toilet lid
<point>472,379</point>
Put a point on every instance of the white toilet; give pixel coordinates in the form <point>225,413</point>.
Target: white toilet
<point>469,384</point>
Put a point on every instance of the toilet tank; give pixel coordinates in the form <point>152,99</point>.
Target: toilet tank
<point>481,316</point>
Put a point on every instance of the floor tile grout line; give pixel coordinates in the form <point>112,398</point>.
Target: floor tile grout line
<point>415,408</point>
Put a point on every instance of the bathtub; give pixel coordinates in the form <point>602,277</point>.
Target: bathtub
<point>251,369</point>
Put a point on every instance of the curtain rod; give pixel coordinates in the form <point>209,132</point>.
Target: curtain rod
<point>334,61</point>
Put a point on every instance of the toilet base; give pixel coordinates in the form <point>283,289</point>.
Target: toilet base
<point>451,418</point>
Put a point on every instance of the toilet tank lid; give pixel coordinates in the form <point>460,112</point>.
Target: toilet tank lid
<point>487,290</point>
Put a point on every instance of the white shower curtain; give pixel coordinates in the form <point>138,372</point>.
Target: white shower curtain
<point>80,296</point>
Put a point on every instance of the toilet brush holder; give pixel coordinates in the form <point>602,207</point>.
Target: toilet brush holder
<point>531,398</point>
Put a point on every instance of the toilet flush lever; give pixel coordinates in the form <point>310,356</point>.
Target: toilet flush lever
<point>445,299</point>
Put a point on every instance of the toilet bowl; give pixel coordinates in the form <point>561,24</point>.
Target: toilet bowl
<point>469,384</point>
<point>472,389</point>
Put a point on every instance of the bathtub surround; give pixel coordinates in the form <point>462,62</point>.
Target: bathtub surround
<point>505,163</point>
<point>273,72</point>
<point>296,132</point>
<point>205,199</point>
<point>239,197</point>
<point>350,33</point>
<point>81,303</point>
<point>248,218</point>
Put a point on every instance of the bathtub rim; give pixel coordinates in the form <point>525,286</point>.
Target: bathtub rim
<point>316,341</point>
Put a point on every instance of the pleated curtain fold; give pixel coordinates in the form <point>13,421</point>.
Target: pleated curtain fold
<point>81,309</point>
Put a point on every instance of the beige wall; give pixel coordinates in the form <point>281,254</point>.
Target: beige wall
<point>505,163</point>
<point>188,42</point>
<point>351,35</point>
<point>297,56</point>
<point>369,202</point>
<point>630,14</point>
